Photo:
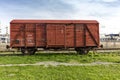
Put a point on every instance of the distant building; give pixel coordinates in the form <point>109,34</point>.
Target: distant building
<point>4,38</point>
<point>109,37</point>
<point>110,40</point>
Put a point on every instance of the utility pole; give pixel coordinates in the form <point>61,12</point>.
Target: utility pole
<point>0,27</point>
<point>6,34</point>
<point>6,30</point>
<point>0,33</point>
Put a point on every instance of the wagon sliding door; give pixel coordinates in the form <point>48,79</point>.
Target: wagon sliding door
<point>69,36</point>
<point>29,35</point>
<point>55,35</point>
<point>40,35</point>
<point>80,35</point>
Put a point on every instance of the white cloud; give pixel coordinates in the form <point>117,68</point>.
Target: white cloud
<point>107,12</point>
<point>109,0</point>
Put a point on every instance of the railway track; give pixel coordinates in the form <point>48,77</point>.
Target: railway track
<point>101,50</point>
<point>107,50</point>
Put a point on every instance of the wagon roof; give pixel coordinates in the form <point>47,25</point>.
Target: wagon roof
<point>54,21</point>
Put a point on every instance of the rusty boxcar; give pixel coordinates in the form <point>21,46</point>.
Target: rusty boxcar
<point>29,35</point>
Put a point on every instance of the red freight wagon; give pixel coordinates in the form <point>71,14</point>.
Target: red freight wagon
<point>28,35</point>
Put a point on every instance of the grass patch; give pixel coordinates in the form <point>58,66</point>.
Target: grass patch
<point>97,72</point>
<point>101,72</point>
<point>58,57</point>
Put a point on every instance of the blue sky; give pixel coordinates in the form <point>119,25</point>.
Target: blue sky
<point>107,12</point>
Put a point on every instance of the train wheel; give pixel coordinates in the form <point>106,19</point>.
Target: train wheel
<point>28,51</point>
<point>32,51</point>
<point>23,50</point>
<point>82,51</point>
